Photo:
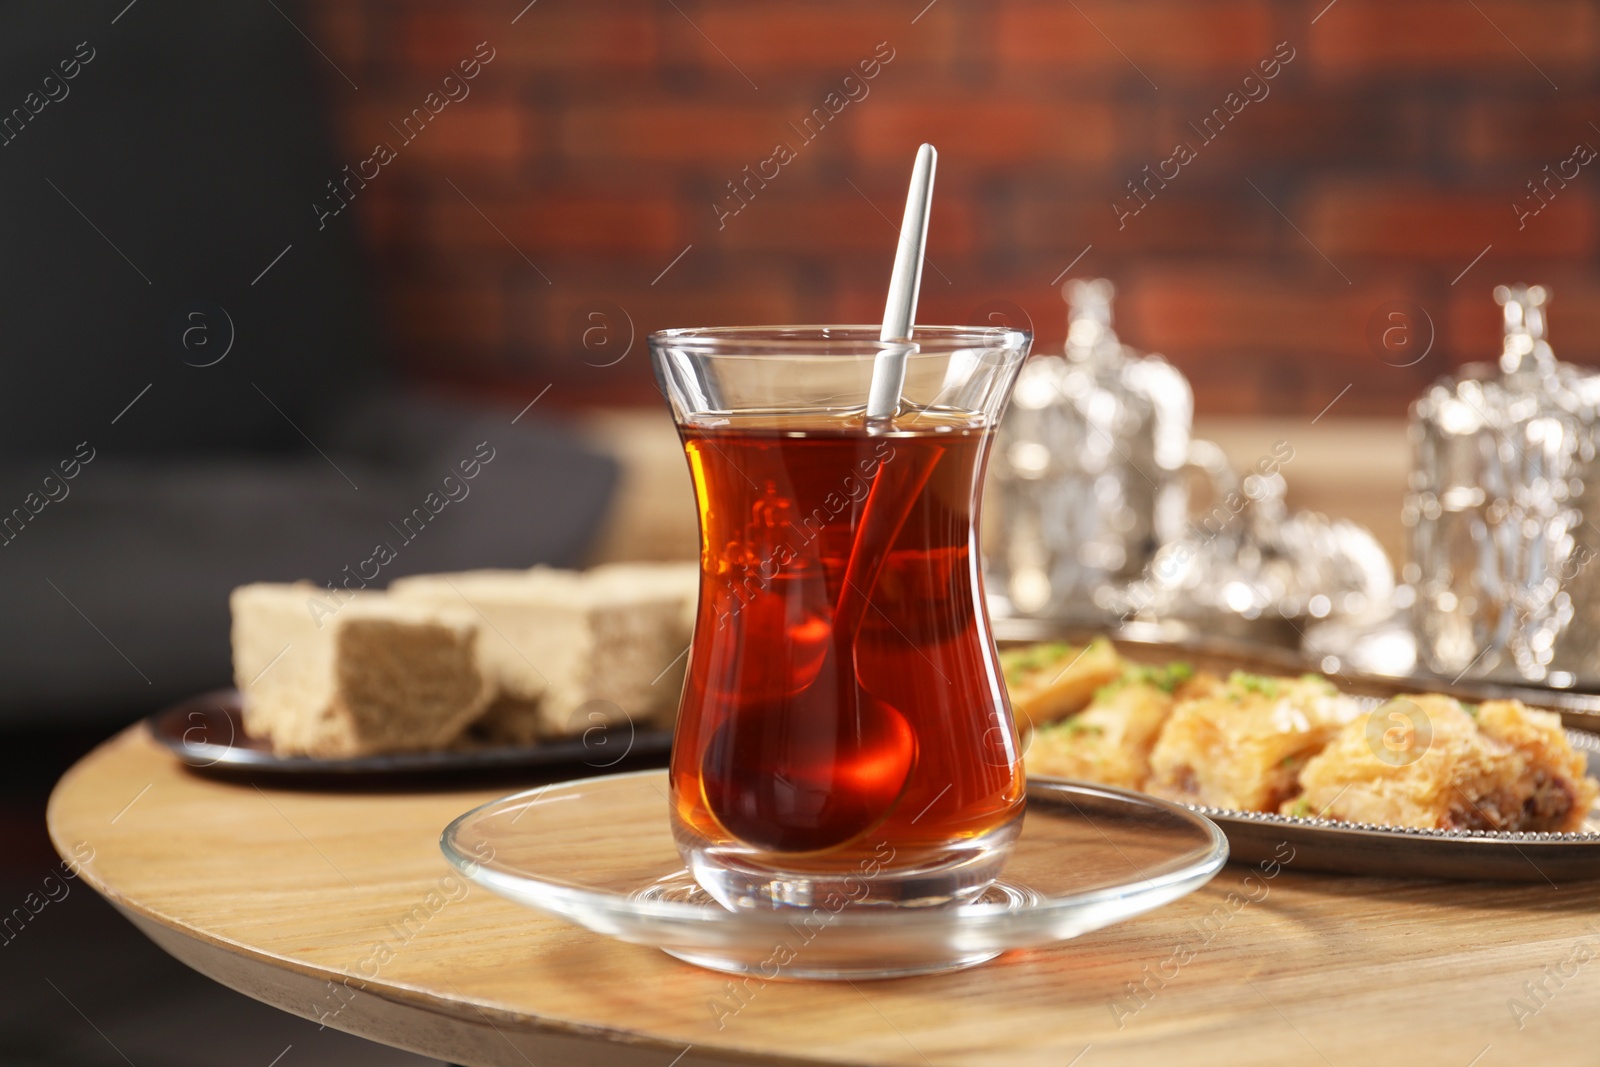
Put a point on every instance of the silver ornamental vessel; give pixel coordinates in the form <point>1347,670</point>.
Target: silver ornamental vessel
<point>1502,510</point>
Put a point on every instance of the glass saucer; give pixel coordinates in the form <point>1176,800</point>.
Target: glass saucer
<point>599,853</point>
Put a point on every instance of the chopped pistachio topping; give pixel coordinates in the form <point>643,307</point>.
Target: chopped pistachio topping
<point>1253,683</point>
<point>1166,678</point>
<point>1019,662</point>
<point>1071,728</point>
<point>1244,682</point>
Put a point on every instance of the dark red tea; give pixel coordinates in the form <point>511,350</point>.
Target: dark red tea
<point>842,690</point>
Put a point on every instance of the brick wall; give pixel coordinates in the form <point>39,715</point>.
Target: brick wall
<point>530,227</point>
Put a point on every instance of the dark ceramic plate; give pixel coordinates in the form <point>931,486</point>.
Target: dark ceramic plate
<point>207,732</point>
<point>1359,848</point>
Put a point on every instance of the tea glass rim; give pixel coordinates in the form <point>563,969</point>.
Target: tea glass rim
<point>838,341</point>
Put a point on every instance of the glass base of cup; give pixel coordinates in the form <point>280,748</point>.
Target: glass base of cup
<point>739,878</point>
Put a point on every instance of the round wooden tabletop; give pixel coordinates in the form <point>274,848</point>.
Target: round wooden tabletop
<point>336,905</point>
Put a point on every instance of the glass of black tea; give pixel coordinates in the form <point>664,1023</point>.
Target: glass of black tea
<point>843,738</point>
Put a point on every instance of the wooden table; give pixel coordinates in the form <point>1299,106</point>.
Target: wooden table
<point>287,895</point>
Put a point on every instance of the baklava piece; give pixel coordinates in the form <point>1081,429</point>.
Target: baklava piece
<point>1243,746</point>
<point>1110,740</point>
<point>1430,762</point>
<point>1051,681</point>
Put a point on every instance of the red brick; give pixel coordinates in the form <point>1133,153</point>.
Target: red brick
<point>1263,383</point>
<point>672,133</point>
<point>986,131</point>
<point>552,319</point>
<point>1108,37</point>
<point>568,41</point>
<point>1220,308</point>
<point>598,223</point>
<point>433,39</point>
<point>1254,341</point>
<point>1473,321</point>
<point>482,234</point>
<point>1285,128</point>
<point>778,220</point>
<point>597,39</point>
<point>588,223</point>
<point>990,301</point>
<point>1406,221</point>
<point>1506,133</point>
<point>469,136</point>
<point>828,38</point>
<point>1426,37</point>
<point>955,294</point>
<point>1176,222</point>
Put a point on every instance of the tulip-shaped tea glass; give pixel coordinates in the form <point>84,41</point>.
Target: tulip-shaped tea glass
<point>844,736</point>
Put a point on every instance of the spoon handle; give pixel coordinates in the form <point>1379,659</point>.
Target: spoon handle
<point>900,309</point>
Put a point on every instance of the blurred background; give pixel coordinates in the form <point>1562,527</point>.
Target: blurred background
<point>599,144</point>
<point>277,267</point>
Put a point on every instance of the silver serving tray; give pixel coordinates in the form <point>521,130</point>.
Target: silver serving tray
<point>207,733</point>
<point>1400,852</point>
<point>1363,848</point>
